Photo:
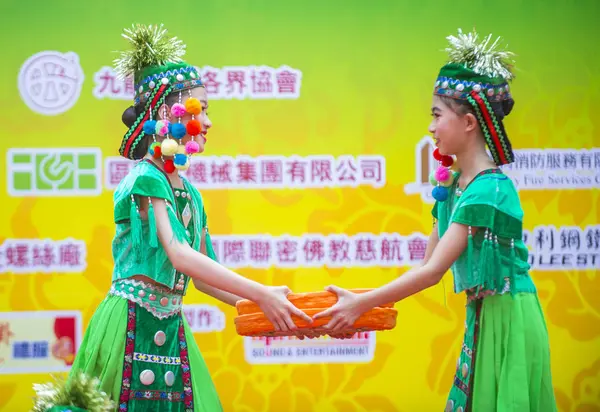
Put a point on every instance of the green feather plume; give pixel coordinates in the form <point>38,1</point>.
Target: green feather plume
<point>80,391</point>
<point>482,57</point>
<point>150,47</point>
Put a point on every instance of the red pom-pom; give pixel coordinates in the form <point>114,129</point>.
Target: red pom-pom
<point>193,127</point>
<point>157,152</point>
<point>169,166</point>
<point>437,155</point>
<point>447,161</point>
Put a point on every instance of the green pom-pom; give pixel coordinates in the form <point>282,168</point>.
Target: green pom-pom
<point>432,178</point>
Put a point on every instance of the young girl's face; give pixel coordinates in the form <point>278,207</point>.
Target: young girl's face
<point>447,128</point>
<point>200,94</point>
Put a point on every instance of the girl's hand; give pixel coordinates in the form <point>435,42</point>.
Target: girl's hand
<point>344,313</point>
<point>279,310</point>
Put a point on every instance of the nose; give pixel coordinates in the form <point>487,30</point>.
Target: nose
<point>432,127</point>
<point>206,123</point>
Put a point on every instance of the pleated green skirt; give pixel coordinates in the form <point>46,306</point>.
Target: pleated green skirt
<point>110,348</point>
<point>504,364</point>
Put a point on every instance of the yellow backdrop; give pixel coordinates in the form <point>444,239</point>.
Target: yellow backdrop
<point>326,105</point>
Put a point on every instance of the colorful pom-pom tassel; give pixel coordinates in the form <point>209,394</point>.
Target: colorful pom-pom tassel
<point>432,178</point>
<point>153,148</point>
<point>193,127</point>
<point>158,125</point>
<point>165,129</point>
<point>178,130</point>
<point>149,126</point>
<point>162,127</point>
<point>169,147</point>
<point>448,182</point>
<point>193,106</point>
<point>179,159</point>
<point>169,166</point>
<point>192,147</point>
<point>437,155</point>
<point>440,193</point>
<point>184,166</point>
<point>447,161</point>
<point>178,110</point>
<point>442,174</point>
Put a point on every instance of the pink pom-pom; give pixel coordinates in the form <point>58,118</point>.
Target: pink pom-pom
<point>442,174</point>
<point>178,110</point>
<point>192,147</point>
<point>164,130</point>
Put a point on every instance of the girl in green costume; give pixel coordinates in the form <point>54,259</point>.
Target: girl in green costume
<point>138,344</point>
<point>504,363</point>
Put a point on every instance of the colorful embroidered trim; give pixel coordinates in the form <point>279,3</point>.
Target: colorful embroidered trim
<point>157,396</point>
<point>168,73</point>
<point>188,84</point>
<point>130,289</point>
<point>128,358</point>
<point>461,385</point>
<point>461,89</point>
<point>164,360</point>
<point>475,341</point>
<point>473,294</point>
<point>188,398</point>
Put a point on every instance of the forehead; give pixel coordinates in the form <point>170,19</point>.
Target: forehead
<point>199,93</point>
<point>438,103</point>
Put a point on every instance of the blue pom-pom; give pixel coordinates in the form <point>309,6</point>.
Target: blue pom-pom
<point>440,193</point>
<point>150,126</point>
<point>178,130</point>
<point>180,159</point>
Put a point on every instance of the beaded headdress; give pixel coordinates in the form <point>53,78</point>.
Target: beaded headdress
<point>155,63</point>
<point>477,72</point>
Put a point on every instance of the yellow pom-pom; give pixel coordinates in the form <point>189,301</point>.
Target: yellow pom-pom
<point>168,147</point>
<point>180,149</point>
<point>183,167</point>
<point>193,106</point>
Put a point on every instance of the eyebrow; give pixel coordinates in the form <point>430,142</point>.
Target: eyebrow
<point>204,102</point>
<point>434,108</point>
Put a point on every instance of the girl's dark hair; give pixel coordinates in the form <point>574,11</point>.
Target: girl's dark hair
<point>501,110</point>
<point>129,117</point>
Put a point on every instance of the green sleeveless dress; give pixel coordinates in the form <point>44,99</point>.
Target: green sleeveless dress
<point>138,343</point>
<point>504,364</point>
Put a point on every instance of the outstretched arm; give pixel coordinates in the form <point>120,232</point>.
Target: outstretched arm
<point>272,300</point>
<point>448,249</point>
<point>350,306</point>
<point>219,294</point>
